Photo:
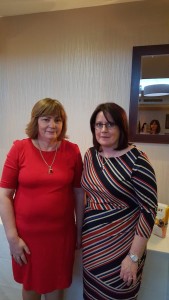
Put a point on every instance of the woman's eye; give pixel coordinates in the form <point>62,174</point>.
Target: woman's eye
<point>99,125</point>
<point>45,119</point>
<point>58,120</point>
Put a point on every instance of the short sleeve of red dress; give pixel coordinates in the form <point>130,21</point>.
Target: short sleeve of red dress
<point>11,167</point>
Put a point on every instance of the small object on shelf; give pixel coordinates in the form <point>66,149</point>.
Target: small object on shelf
<point>161,221</point>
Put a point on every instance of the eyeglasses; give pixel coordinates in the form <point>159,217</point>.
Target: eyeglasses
<point>108,125</point>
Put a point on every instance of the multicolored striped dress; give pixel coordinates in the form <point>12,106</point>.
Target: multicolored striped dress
<point>121,202</point>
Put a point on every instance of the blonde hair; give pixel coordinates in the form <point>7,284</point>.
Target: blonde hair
<point>46,107</point>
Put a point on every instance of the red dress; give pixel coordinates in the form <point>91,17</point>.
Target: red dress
<point>44,208</point>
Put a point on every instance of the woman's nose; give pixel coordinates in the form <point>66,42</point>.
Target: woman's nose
<point>104,127</point>
<point>52,123</point>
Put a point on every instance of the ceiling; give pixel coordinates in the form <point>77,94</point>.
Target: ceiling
<point>22,7</point>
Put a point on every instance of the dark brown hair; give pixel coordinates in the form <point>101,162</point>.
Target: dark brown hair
<point>118,115</point>
<point>46,107</point>
<point>158,125</point>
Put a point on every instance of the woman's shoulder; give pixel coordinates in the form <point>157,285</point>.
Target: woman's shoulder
<point>90,152</point>
<point>138,152</point>
<point>65,144</point>
<point>19,147</point>
<point>140,157</point>
<point>21,142</point>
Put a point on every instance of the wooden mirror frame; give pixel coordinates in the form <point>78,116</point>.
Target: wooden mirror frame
<point>138,52</point>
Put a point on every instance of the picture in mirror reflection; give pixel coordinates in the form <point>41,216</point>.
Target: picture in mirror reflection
<point>153,104</point>
<point>150,128</point>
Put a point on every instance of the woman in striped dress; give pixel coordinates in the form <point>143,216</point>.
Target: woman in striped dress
<point>120,210</point>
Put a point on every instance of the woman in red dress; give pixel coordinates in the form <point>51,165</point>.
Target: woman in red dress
<point>40,200</point>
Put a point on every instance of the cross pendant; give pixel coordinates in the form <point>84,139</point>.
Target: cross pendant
<point>50,170</point>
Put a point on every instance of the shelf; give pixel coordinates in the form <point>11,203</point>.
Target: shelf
<point>154,107</point>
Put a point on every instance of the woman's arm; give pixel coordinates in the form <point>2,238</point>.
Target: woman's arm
<point>145,187</point>
<point>79,212</point>
<point>7,212</point>
<point>16,244</point>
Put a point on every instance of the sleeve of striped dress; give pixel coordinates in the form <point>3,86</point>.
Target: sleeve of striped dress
<point>144,182</point>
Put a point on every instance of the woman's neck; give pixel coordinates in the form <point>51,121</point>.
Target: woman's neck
<point>110,152</point>
<point>45,145</point>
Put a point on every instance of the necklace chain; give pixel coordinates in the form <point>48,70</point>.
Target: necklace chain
<point>50,169</point>
<point>103,163</point>
<point>103,160</point>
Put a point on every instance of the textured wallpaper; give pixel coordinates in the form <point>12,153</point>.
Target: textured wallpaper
<point>81,57</point>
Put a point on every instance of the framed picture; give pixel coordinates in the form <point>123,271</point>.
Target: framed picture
<point>167,122</point>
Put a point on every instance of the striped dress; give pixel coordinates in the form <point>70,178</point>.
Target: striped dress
<point>121,202</point>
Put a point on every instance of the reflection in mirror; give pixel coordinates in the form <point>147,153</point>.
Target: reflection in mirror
<point>149,103</point>
<point>153,105</point>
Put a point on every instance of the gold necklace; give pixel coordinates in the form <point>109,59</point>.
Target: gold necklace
<point>50,169</point>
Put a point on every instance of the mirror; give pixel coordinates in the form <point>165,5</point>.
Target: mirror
<point>149,97</point>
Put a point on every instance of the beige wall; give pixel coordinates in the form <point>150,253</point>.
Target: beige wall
<point>81,57</point>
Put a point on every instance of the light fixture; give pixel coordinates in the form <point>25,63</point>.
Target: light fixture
<point>156,90</point>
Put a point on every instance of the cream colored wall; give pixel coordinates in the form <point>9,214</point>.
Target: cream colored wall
<point>81,57</point>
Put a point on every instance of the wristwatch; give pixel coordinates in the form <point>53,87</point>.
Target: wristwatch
<point>134,257</point>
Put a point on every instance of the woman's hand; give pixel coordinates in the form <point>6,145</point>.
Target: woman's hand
<point>18,248</point>
<point>129,271</point>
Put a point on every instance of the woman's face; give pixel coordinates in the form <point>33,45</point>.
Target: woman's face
<point>154,127</point>
<point>107,133</point>
<point>49,127</point>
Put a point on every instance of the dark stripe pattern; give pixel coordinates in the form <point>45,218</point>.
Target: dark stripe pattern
<point>121,202</point>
